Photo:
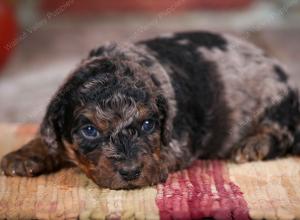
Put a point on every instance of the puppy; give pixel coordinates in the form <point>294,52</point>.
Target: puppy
<point>130,114</point>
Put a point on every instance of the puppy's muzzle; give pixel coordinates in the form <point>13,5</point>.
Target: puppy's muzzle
<point>129,173</point>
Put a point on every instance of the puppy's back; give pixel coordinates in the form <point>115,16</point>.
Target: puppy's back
<point>222,84</point>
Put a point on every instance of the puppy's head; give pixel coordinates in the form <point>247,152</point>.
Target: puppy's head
<point>110,117</point>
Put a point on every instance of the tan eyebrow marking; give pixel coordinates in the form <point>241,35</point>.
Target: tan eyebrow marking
<point>100,123</point>
<point>143,112</point>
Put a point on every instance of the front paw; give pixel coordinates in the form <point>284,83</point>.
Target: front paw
<point>252,149</point>
<point>18,164</point>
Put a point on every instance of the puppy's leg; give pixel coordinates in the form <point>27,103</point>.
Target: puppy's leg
<point>32,159</point>
<point>268,141</point>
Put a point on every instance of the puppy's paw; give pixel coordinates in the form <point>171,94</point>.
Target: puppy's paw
<point>252,148</point>
<point>17,164</point>
<point>163,176</point>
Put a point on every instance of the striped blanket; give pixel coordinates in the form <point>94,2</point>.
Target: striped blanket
<point>207,190</point>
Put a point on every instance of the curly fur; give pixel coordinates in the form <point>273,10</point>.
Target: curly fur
<point>210,96</point>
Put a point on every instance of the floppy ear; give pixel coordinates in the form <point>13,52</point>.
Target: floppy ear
<point>166,121</point>
<point>58,118</point>
<point>53,125</point>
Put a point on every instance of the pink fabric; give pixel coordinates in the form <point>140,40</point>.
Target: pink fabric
<point>202,191</point>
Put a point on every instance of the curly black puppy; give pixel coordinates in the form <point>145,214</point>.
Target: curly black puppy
<point>130,114</point>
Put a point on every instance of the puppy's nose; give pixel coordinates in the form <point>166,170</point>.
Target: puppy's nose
<point>130,172</point>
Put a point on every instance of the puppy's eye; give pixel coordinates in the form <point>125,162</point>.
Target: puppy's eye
<point>90,132</point>
<point>148,125</point>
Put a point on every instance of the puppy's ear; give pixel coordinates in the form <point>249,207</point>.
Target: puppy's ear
<point>166,121</point>
<point>53,125</point>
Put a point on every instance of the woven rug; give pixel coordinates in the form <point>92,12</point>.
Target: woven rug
<point>207,190</point>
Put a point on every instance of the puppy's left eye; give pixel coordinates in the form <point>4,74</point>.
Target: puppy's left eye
<point>90,132</point>
<point>148,125</point>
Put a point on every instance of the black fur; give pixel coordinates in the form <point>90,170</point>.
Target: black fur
<point>59,115</point>
<point>287,112</point>
<point>168,81</point>
<point>282,76</point>
<point>198,90</point>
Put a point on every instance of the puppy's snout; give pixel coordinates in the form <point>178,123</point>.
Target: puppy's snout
<point>130,172</point>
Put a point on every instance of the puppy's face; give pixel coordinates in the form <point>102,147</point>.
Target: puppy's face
<point>113,125</point>
<point>118,147</point>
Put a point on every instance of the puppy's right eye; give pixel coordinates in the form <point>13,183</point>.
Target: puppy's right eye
<point>90,132</point>
<point>148,126</point>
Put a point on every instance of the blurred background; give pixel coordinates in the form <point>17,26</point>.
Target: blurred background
<point>42,41</point>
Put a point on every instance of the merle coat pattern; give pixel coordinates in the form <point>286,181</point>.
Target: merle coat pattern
<point>129,114</point>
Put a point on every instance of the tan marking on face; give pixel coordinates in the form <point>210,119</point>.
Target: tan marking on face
<point>156,154</point>
<point>143,112</point>
<point>102,124</point>
<point>70,151</point>
<point>78,160</point>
